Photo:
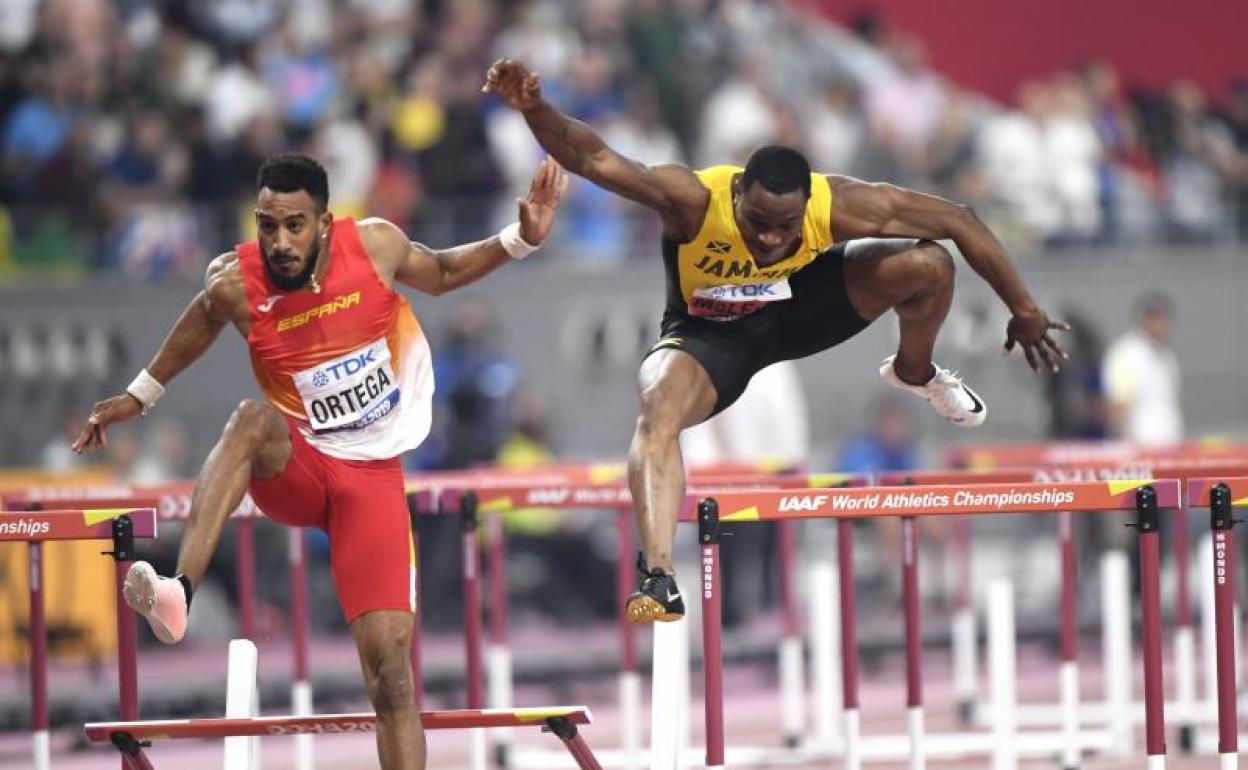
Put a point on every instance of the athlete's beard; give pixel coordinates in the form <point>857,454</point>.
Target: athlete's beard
<point>300,279</point>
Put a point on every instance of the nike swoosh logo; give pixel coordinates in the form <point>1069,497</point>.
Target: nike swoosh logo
<point>979,405</point>
<point>671,597</point>
<point>268,304</point>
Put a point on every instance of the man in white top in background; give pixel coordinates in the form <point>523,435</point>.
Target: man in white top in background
<point>1141,376</point>
<point>769,424</point>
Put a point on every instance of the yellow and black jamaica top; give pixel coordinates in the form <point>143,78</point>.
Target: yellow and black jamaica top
<point>714,276</point>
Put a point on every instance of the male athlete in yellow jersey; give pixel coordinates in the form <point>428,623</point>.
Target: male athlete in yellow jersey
<point>767,263</point>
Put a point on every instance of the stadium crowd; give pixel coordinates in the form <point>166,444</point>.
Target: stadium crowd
<point>130,130</point>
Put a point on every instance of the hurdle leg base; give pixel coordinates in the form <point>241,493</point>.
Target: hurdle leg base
<point>792,741</point>
<point>966,712</point>
<point>502,755</point>
<point>1187,739</point>
<point>132,751</point>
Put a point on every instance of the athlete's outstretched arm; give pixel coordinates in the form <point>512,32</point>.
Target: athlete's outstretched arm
<point>439,271</point>
<point>873,210</point>
<point>670,189</point>
<point>195,331</point>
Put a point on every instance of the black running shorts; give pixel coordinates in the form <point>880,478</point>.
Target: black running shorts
<point>817,317</point>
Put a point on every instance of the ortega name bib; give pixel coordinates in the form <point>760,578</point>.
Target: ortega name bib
<point>351,391</point>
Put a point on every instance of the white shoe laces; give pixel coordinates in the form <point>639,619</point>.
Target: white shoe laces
<point>951,385</point>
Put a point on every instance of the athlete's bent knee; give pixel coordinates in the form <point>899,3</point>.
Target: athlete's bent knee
<point>249,424</point>
<point>390,687</point>
<point>936,262</point>
<point>660,414</point>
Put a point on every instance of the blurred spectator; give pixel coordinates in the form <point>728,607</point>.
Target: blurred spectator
<point>1114,124</point>
<point>165,453</point>
<point>902,110</point>
<point>769,423</point>
<point>39,125</point>
<point>1199,161</point>
<point>888,443</point>
<point>834,127</point>
<point>302,74</point>
<point>656,30</point>
<point>550,552</point>
<point>1141,374</point>
<point>18,19</point>
<point>1237,123</point>
<point>476,384</point>
<point>1012,151</point>
<point>238,21</point>
<point>1072,157</point>
<point>949,159</point>
<point>1075,393</point>
<point>738,116</point>
<point>184,66</point>
<point>236,95</point>
<point>342,143</point>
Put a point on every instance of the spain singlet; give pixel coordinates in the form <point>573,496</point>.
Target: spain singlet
<point>350,365</point>
<point>714,276</point>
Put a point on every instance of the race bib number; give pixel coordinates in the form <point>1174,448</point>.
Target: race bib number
<point>736,300</point>
<point>350,391</point>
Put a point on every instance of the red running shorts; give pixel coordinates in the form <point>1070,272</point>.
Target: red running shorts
<point>361,506</point>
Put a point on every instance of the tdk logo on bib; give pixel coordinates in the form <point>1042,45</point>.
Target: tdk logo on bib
<point>350,391</point>
<point>346,368</point>
<point>732,300</point>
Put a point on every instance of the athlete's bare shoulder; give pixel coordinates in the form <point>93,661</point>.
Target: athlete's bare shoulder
<point>225,297</point>
<point>687,199</point>
<point>385,243</point>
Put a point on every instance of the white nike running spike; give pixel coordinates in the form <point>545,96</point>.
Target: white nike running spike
<point>947,394</point>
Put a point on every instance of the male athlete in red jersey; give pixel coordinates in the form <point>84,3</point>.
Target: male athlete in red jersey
<point>347,381</point>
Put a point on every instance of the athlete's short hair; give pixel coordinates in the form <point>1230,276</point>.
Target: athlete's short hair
<point>778,169</point>
<point>292,172</point>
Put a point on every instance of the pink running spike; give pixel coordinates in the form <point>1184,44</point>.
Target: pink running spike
<point>159,599</point>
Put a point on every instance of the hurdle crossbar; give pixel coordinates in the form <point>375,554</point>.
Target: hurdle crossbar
<point>171,500</point>
<point>543,491</point>
<point>940,500</point>
<point>130,738</point>
<point>325,724</point>
<point>77,524</point>
<point>1068,452</point>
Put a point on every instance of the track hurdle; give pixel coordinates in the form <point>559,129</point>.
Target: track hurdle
<point>121,526</point>
<point>482,493</point>
<point>130,738</point>
<point>1131,463</point>
<point>172,501</point>
<point>1005,745</point>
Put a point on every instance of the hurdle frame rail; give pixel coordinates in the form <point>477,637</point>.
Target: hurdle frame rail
<point>131,737</point>
<point>1090,462</point>
<point>1145,497</point>
<point>121,526</point>
<point>477,493</point>
<point>1221,495</point>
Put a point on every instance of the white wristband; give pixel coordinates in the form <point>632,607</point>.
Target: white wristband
<point>513,243</point>
<point>146,389</point>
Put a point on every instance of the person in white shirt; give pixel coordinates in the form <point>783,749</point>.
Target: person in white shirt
<point>1142,380</point>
